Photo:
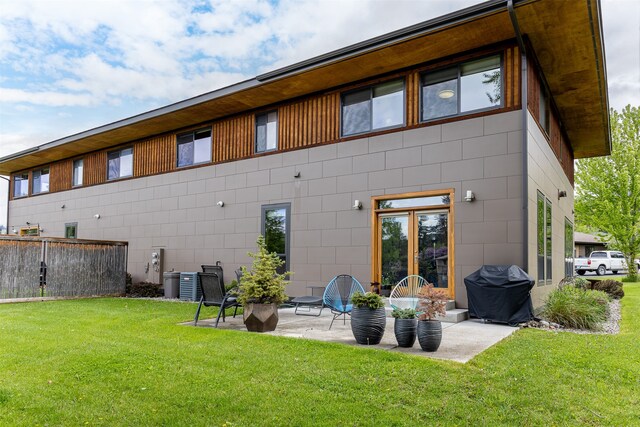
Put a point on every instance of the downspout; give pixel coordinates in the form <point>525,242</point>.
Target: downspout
<point>525,153</point>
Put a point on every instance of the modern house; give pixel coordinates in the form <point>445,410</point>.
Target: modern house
<point>587,243</point>
<point>431,150</point>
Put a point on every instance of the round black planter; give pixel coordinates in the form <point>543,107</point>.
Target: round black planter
<point>368,325</point>
<point>429,334</point>
<point>405,330</point>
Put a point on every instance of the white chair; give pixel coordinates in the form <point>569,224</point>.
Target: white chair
<point>405,293</point>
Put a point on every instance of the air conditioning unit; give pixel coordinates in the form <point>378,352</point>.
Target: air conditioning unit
<point>189,289</point>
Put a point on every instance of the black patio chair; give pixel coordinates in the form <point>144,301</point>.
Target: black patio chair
<point>213,294</point>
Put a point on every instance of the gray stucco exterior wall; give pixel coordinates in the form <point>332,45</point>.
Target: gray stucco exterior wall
<point>178,212</point>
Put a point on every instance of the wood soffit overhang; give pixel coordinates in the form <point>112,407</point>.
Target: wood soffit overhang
<point>565,34</point>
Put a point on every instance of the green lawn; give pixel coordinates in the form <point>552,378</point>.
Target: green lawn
<point>116,362</point>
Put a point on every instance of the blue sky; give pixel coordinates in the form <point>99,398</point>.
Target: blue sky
<point>68,66</point>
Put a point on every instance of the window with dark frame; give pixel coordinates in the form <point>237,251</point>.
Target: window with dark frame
<point>78,172</point>
<point>471,86</point>
<point>267,132</point>
<point>120,163</point>
<point>544,239</point>
<point>40,181</point>
<point>71,230</point>
<point>194,148</point>
<point>568,248</point>
<point>276,220</point>
<point>543,113</point>
<point>21,185</point>
<point>374,108</point>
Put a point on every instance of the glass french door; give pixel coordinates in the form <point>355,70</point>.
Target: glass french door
<point>414,242</point>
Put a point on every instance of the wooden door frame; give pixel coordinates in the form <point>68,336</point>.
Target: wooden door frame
<point>376,250</point>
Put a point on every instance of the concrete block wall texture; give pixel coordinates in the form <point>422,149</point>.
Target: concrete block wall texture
<point>545,174</point>
<point>178,211</point>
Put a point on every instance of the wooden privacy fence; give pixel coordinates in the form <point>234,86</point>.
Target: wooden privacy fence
<point>52,267</point>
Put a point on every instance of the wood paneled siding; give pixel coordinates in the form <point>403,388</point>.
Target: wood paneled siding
<point>60,175</point>
<point>95,168</point>
<point>309,122</point>
<point>232,138</point>
<point>556,138</point>
<point>155,155</point>
<point>301,123</point>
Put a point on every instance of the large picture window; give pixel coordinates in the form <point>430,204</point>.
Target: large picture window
<point>194,148</point>
<point>120,163</point>
<point>471,86</point>
<point>267,132</point>
<point>21,185</point>
<point>544,231</point>
<point>276,220</point>
<point>40,181</point>
<point>377,107</point>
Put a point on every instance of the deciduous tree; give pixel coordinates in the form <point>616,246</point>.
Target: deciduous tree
<point>608,188</point>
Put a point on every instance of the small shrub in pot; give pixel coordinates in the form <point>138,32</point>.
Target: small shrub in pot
<point>405,326</point>
<point>368,318</point>
<point>431,303</point>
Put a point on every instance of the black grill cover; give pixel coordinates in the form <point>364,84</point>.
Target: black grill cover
<point>500,293</point>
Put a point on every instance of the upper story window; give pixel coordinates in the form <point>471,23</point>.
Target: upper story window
<point>267,132</point>
<point>40,181</point>
<point>21,185</point>
<point>78,172</point>
<point>377,107</point>
<point>471,86</point>
<point>194,147</point>
<point>120,163</point>
<point>543,112</point>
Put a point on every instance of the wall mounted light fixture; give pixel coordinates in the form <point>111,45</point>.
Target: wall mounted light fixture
<point>561,194</point>
<point>357,204</point>
<point>296,174</point>
<point>220,203</point>
<point>469,197</point>
<point>97,216</point>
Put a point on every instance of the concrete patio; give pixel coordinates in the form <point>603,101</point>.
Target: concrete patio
<point>460,341</point>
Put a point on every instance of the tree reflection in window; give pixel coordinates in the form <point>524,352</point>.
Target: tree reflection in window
<point>275,231</point>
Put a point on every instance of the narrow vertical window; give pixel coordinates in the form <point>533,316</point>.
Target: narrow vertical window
<point>120,163</point>
<point>275,229</point>
<point>540,237</point>
<point>78,172</point>
<point>376,107</point>
<point>21,185</point>
<point>549,238</point>
<point>40,181</point>
<point>543,113</point>
<point>568,248</point>
<point>267,132</point>
<point>194,148</point>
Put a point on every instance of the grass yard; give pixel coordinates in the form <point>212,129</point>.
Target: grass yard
<point>111,362</point>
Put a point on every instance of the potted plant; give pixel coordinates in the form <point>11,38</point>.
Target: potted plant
<point>368,318</point>
<point>262,289</point>
<point>431,302</point>
<point>405,326</point>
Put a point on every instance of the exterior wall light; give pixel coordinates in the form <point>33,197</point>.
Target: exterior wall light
<point>469,197</point>
<point>97,216</point>
<point>561,194</point>
<point>357,204</point>
<point>220,203</point>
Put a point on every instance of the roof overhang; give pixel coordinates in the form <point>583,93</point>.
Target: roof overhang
<point>567,37</point>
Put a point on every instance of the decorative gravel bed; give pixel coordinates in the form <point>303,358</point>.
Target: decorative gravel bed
<point>611,326</point>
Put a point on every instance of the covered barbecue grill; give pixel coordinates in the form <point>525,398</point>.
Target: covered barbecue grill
<point>500,293</point>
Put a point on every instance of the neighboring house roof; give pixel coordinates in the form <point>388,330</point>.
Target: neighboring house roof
<point>586,239</point>
<point>567,38</point>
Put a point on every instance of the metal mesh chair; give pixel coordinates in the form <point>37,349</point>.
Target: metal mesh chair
<point>405,293</point>
<point>213,294</point>
<point>337,295</point>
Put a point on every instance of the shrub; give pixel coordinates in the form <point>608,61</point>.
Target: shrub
<point>144,290</point>
<point>612,287</point>
<point>431,302</point>
<point>370,300</point>
<point>576,282</point>
<point>576,308</point>
<point>263,284</point>
<point>404,313</point>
